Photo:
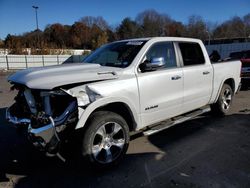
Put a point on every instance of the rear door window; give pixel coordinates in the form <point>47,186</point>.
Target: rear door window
<point>191,53</point>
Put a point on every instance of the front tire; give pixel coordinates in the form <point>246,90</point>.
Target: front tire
<point>106,139</point>
<point>223,104</point>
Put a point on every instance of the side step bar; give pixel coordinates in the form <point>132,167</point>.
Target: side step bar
<point>179,119</point>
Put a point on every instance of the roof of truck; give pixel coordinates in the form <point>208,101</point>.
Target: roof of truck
<point>164,38</point>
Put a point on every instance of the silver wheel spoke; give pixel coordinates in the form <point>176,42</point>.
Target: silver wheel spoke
<point>225,104</point>
<point>109,156</point>
<point>102,131</point>
<point>119,143</point>
<point>226,99</point>
<point>227,92</point>
<point>96,149</point>
<point>229,98</point>
<point>116,129</point>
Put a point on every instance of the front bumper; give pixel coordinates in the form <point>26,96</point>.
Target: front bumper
<point>48,135</point>
<point>40,137</point>
<point>44,138</point>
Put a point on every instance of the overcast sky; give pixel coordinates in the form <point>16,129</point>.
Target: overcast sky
<point>18,16</point>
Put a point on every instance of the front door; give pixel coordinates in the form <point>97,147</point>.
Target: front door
<point>161,90</point>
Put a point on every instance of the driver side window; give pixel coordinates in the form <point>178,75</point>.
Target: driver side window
<point>163,50</point>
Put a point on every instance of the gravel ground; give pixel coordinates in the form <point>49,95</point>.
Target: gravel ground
<point>204,152</point>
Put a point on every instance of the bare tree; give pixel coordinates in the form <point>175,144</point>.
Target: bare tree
<point>90,21</point>
<point>196,27</point>
<point>153,23</point>
<point>246,20</point>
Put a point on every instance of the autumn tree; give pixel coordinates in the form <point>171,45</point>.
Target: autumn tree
<point>14,44</point>
<point>56,35</point>
<point>98,37</point>
<point>79,35</point>
<point>91,32</point>
<point>233,28</point>
<point>153,23</point>
<point>196,28</point>
<point>128,29</point>
<point>99,40</point>
<point>246,20</point>
<point>1,43</point>
<point>176,29</point>
<point>112,35</point>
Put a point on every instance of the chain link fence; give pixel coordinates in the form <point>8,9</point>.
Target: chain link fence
<point>12,62</point>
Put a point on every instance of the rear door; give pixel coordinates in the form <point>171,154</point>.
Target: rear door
<point>198,76</point>
<point>161,91</point>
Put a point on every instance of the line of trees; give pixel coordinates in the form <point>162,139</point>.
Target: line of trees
<point>91,32</point>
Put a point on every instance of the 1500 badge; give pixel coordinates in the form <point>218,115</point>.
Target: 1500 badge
<point>151,107</point>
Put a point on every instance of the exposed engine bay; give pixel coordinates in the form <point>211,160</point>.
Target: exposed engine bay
<point>49,115</point>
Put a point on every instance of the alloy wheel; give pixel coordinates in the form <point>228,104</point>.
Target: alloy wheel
<point>226,99</point>
<point>108,143</point>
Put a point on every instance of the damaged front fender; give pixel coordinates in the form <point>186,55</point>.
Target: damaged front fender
<point>84,95</point>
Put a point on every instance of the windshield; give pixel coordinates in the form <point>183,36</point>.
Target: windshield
<point>119,54</point>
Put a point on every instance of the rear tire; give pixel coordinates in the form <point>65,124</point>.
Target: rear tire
<point>105,139</point>
<point>223,104</point>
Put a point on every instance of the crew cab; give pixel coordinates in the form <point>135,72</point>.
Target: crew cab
<point>138,85</point>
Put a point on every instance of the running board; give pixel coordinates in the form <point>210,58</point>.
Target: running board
<point>179,119</point>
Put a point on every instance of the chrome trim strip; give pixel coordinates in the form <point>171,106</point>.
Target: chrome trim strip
<point>46,132</point>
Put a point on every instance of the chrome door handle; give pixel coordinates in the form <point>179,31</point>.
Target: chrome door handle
<point>176,77</point>
<point>206,72</point>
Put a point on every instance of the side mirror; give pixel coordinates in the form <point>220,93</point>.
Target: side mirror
<point>154,64</point>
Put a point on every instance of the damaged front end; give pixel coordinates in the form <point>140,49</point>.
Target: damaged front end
<point>49,115</point>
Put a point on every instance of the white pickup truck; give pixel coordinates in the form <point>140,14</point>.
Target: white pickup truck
<point>145,84</point>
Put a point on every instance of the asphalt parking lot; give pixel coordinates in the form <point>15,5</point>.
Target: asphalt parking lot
<point>204,152</point>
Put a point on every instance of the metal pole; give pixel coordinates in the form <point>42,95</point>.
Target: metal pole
<point>209,39</point>
<point>36,21</point>
<point>26,62</point>
<point>43,60</point>
<point>7,62</point>
<point>36,7</point>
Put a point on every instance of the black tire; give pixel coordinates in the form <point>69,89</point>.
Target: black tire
<point>102,145</point>
<point>224,102</point>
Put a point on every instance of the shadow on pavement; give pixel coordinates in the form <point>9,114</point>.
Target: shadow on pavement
<point>186,149</point>
<point>245,85</point>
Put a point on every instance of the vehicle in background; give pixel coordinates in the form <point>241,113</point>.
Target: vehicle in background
<point>244,57</point>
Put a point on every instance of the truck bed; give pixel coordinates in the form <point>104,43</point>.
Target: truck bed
<point>232,68</point>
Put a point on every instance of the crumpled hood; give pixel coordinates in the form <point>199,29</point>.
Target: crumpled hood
<point>55,76</point>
